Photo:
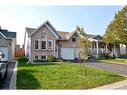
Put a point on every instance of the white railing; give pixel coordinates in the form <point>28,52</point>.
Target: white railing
<point>93,51</point>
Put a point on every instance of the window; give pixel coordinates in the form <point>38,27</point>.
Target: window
<point>36,57</point>
<point>50,44</point>
<point>43,35</point>
<point>36,44</point>
<point>73,39</point>
<point>43,57</point>
<point>43,44</point>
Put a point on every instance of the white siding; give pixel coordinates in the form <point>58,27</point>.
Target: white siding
<point>122,49</point>
<point>26,45</point>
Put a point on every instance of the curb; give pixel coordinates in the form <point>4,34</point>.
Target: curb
<point>112,63</point>
<point>12,84</point>
<point>112,86</point>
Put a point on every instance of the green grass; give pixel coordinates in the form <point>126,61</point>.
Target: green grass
<point>115,60</point>
<point>61,76</point>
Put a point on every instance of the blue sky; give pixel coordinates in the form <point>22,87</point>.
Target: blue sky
<point>94,19</point>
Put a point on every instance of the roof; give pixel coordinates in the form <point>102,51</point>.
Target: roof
<point>30,30</point>
<point>50,27</point>
<point>8,34</point>
<point>98,37</point>
<point>62,35</point>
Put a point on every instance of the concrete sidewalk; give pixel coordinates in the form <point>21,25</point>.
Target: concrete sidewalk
<point>12,84</point>
<point>118,85</point>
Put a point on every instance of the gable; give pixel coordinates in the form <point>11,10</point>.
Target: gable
<point>4,41</point>
<point>50,28</point>
<point>75,34</point>
<point>2,35</point>
<point>43,29</point>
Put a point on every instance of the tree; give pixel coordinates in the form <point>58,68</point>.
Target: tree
<point>84,44</point>
<point>110,36</point>
<point>121,23</point>
<point>116,32</point>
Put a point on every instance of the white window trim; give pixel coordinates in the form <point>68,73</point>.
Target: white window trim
<point>43,59</point>
<point>44,38</point>
<point>72,38</point>
<point>38,44</point>
<point>35,58</point>
<point>41,44</point>
<point>51,46</point>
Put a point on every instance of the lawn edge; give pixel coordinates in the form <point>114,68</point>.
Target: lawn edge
<point>111,86</point>
<point>111,62</point>
<point>13,80</point>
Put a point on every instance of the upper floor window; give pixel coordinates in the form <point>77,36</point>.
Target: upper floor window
<point>73,39</point>
<point>50,44</point>
<point>43,35</point>
<point>36,44</point>
<point>43,44</point>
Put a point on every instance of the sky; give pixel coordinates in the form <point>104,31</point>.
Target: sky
<point>94,19</point>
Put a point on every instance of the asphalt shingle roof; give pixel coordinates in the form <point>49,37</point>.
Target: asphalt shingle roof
<point>8,34</point>
<point>30,30</point>
<point>65,35</point>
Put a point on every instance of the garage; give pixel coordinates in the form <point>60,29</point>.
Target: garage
<point>4,50</point>
<point>69,53</point>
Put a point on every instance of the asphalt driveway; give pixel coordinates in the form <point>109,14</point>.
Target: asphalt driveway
<point>117,68</point>
<point>6,82</point>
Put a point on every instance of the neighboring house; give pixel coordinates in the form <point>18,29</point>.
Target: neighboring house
<point>7,44</point>
<point>46,40</point>
<point>19,51</point>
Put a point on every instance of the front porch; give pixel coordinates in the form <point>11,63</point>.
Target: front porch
<point>99,48</point>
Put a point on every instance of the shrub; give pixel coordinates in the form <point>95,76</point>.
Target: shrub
<point>106,55</point>
<point>51,58</point>
<point>39,60</point>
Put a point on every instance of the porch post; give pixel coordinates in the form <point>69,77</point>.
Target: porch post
<point>106,49</point>
<point>115,53</point>
<point>97,47</point>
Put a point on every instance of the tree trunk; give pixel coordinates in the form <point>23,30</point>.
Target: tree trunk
<point>115,50</point>
<point>84,66</point>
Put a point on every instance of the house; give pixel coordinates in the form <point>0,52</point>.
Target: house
<point>46,40</point>
<point>7,44</point>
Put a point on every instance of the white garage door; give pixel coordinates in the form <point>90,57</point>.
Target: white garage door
<point>77,50</point>
<point>67,53</point>
<point>5,51</point>
<point>70,53</point>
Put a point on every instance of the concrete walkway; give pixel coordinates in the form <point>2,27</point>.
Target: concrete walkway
<point>14,78</point>
<point>122,85</point>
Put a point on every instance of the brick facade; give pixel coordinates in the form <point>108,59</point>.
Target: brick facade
<point>37,36</point>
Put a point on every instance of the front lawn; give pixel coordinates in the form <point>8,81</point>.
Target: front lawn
<point>61,76</point>
<point>115,60</point>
